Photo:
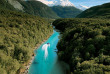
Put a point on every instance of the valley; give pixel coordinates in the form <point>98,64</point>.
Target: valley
<point>79,40</point>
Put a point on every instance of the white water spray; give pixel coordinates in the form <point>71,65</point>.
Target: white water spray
<point>45,49</point>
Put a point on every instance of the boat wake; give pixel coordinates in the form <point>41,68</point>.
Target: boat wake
<point>45,49</point>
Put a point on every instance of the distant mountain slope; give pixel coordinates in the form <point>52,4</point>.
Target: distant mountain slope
<point>101,11</point>
<point>82,7</point>
<point>5,5</point>
<point>38,8</point>
<point>31,7</point>
<point>66,11</point>
<point>16,4</point>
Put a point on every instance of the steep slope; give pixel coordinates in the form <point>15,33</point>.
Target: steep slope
<point>38,8</point>
<point>5,5</point>
<point>16,4</point>
<point>82,7</point>
<point>19,34</point>
<point>31,7</point>
<point>101,11</point>
<point>66,11</point>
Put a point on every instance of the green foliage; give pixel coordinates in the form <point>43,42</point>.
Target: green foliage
<point>101,11</point>
<point>2,71</point>
<point>5,5</point>
<point>93,67</point>
<point>85,44</point>
<point>32,7</point>
<point>19,34</point>
<point>66,12</point>
<point>38,8</point>
<point>8,64</point>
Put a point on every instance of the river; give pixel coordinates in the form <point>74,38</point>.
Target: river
<point>50,65</point>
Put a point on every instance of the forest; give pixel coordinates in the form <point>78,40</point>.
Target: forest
<point>84,41</point>
<point>19,34</point>
<point>100,11</point>
<point>66,12</point>
<point>37,8</point>
<point>85,44</point>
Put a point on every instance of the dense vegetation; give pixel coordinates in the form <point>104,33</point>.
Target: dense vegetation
<point>101,11</point>
<point>66,12</point>
<point>85,45</point>
<point>19,33</point>
<point>31,7</point>
<point>5,5</point>
<point>38,8</point>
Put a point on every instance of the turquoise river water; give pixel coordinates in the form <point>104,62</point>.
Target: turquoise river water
<point>50,65</point>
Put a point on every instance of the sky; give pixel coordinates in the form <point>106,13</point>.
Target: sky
<point>88,3</point>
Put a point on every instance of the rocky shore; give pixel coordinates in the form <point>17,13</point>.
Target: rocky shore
<point>27,66</point>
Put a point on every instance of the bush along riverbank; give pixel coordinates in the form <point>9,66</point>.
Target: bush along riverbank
<point>85,44</point>
<point>19,34</point>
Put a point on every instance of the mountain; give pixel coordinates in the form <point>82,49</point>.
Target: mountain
<point>62,8</point>
<point>38,8</point>
<point>63,3</point>
<point>82,7</point>
<point>5,5</point>
<point>31,7</point>
<point>101,11</point>
<point>66,11</point>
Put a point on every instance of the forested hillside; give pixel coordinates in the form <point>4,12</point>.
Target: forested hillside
<point>85,45</point>
<point>31,7</point>
<point>19,34</point>
<point>6,5</point>
<point>101,11</point>
<point>66,12</point>
<point>39,9</point>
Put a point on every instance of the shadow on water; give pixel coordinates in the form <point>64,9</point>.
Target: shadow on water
<point>50,64</point>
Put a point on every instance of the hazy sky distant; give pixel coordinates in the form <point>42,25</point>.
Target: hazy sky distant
<point>88,3</point>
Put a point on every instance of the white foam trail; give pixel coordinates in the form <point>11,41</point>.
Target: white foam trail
<point>45,48</point>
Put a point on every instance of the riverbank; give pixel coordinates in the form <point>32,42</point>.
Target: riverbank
<point>32,58</point>
<point>49,65</point>
<point>27,65</point>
